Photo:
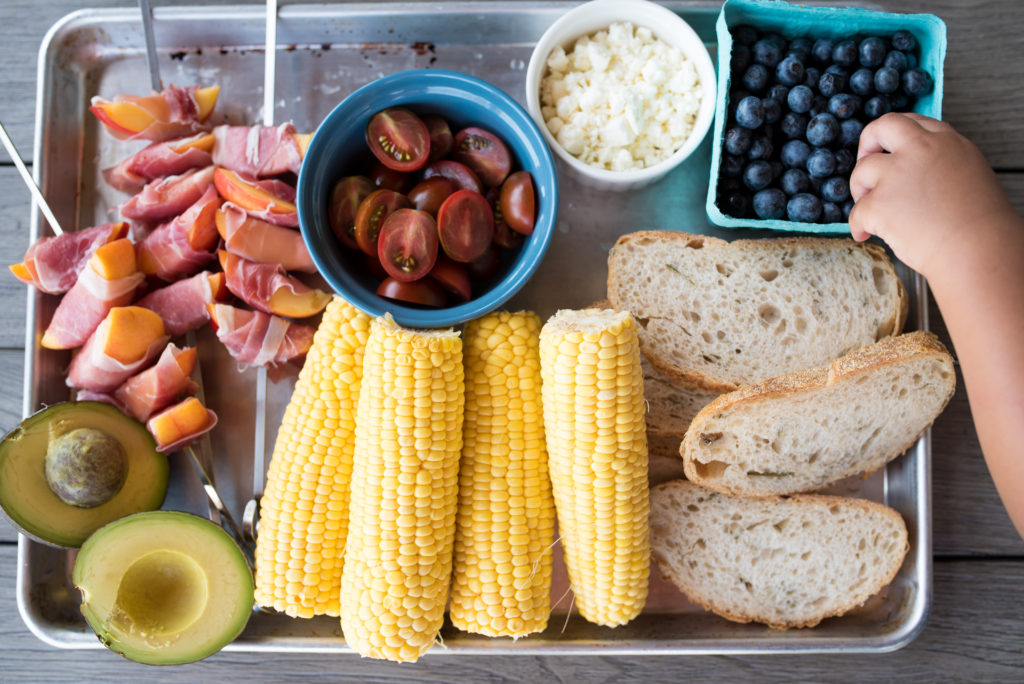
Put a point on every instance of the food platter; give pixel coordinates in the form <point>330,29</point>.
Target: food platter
<point>325,52</point>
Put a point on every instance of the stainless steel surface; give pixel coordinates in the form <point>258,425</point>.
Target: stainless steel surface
<point>37,196</point>
<point>325,52</point>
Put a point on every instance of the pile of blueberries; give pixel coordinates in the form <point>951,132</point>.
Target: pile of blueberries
<point>796,110</point>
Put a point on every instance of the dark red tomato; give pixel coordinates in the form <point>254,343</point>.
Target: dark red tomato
<point>486,265</point>
<point>452,277</point>
<point>424,291</point>
<point>345,199</point>
<point>428,194</point>
<point>517,202</point>
<point>457,173</point>
<point>465,225</point>
<point>440,137</point>
<point>374,267</point>
<point>389,179</point>
<point>407,245</point>
<point>484,153</point>
<point>370,216</point>
<point>503,235</point>
<point>399,139</point>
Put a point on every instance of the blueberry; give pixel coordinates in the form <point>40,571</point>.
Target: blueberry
<point>795,181</point>
<point>750,112</point>
<point>877,106</point>
<point>727,184</point>
<point>777,169</point>
<point>819,105</point>
<point>767,52</point>
<point>800,48</point>
<point>804,207</point>
<point>917,82</point>
<point>799,99</point>
<point>887,80</point>
<point>770,204</point>
<point>793,125</point>
<point>844,105</point>
<point>772,110</point>
<point>896,60</point>
<point>831,213</point>
<point>822,130</point>
<point>790,71</point>
<point>900,102</point>
<point>862,82</point>
<point>755,78</point>
<point>904,41</point>
<point>794,154</point>
<point>872,51</point>
<point>845,160</point>
<point>779,41</point>
<point>835,189</point>
<point>740,60</point>
<point>757,175</point>
<point>737,204</point>
<point>735,95</point>
<point>732,165</point>
<point>811,76</point>
<point>761,148</point>
<point>737,140</point>
<point>847,208</point>
<point>849,132</point>
<point>845,53</point>
<point>821,163</point>
<point>778,92</point>
<point>822,50</point>
<point>831,83</point>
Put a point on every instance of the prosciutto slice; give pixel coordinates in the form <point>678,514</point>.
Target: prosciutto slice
<point>259,339</point>
<point>167,197</point>
<point>93,370</point>
<point>159,386</point>
<point>263,242</point>
<point>258,151</point>
<point>52,264</point>
<point>156,161</point>
<point>174,112</point>
<point>280,190</point>
<point>182,304</point>
<point>168,251</point>
<point>255,283</point>
<point>85,306</point>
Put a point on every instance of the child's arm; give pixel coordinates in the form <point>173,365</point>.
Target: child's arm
<point>929,193</point>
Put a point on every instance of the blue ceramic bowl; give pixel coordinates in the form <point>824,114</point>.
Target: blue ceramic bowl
<point>338,149</point>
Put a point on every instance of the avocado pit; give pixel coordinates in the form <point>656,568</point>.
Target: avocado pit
<point>85,467</point>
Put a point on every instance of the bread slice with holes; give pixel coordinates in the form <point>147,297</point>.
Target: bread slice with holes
<point>805,430</point>
<point>783,562</point>
<point>718,315</point>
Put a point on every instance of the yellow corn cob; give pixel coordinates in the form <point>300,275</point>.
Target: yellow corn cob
<point>501,584</point>
<point>405,476</point>
<point>597,453</point>
<point>304,509</point>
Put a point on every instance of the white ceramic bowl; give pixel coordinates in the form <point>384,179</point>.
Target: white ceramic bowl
<point>595,16</point>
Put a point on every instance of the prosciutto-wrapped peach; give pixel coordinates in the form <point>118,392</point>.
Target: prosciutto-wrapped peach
<point>160,159</point>
<point>268,288</point>
<point>271,200</point>
<point>127,340</point>
<point>182,304</point>
<point>184,245</point>
<point>259,151</point>
<point>180,424</point>
<point>258,339</point>
<point>52,264</point>
<point>160,385</point>
<point>263,242</point>
<point>172,113</point>
<point>166,197</point>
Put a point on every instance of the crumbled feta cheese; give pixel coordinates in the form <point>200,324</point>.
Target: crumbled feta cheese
<point>621,98</point>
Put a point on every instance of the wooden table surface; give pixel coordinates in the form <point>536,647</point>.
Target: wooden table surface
<point>976,628</point>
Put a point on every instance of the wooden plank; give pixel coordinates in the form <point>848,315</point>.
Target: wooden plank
<point>15,208</point>
<point>973,634</point>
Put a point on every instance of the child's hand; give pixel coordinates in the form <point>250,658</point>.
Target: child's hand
<point>924,189</point>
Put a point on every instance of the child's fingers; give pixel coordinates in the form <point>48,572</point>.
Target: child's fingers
<point>866,174</point>
<point>928,123</point>
<point>860,219</point>
<point>887,134</point>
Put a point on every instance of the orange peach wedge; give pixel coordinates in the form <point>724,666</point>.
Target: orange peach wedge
<point>128,331</point>
<point>114,260</point>
<point>247,194</point>
<point>131,115</point>
<point>188,418</point>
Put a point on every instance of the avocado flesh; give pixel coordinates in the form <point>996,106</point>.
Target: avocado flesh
<point>26,497</point>
<point>164,587</point>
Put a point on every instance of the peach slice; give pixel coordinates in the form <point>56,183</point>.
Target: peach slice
<point>302,140</point>
<point>219,288</point>
<point>187,418</point>
<point>290,304</point>
<point>131,115</point>
<point>128,331</point>
<point>25,271</point>
<point>114,260</point>
<point>203,141</point>
<point>206,99</point>
<point>247,194</point>
<point>186,359</point>
<point>202,234</point>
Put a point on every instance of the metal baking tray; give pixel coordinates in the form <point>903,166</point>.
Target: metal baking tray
<point>324,52</point>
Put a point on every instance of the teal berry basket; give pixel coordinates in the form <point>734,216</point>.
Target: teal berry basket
<point>792,21</point>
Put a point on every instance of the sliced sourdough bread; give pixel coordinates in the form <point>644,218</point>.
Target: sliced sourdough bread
<point>805,430</point>
<point>718,315</point>
<point>783,562</point>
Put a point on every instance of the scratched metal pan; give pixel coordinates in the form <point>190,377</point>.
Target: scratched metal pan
<point>325,52</point>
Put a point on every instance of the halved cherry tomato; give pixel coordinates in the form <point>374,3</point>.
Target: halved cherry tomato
<point>452,277</point>
<point>465,225</point>
<point>407,245</point>
<point>440,137</point>
<point>345,199</point>
<point>428,194</point>
<point>517,202</point>
<point>503,235</point>
<point>370,216</point>
<point>486,265</point>
<point>389,179</point>
<point>484,153</point>
<point>374,267</point>
<point>399,139</point>
<point>457,173</point>
<point>423,291</point>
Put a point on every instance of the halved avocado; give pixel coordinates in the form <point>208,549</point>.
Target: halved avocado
<point>164,588</point>
<point>26,497</point>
